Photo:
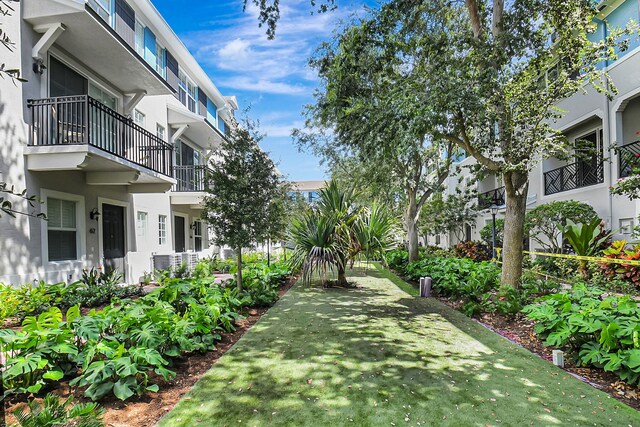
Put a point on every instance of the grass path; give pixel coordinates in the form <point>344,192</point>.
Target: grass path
<point>376,356</point>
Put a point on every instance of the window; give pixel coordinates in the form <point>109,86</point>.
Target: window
<point>62,233</point>
<point>138,118</point>
<point>162,229</point>
<point>437,239</point>
<point>161,60</point>
<point>141,224</point>
<point>626,226</point>
<point>160,131</point>
<point>139,38</point>
<point>187,92</point>
<point>102,96</point>
<point>197,236</point>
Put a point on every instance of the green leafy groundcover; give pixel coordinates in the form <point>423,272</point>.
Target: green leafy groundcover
<point>602,332</point>
<point>376,356</point>
<point>129,346</point>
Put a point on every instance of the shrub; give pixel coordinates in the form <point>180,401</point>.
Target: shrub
<point>397,259</point>
<point>457,278</point>
<point>472,250</point>
<point>261,282</point>
<point>598,332</point>
<point>9,303</point>
<point>56,412</point>
<point>486,233</point>
<point>541,222</point>
<point>629,273</point>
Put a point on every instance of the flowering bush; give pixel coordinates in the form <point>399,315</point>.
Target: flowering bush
<point>626,272</point>
<point>472,250</point>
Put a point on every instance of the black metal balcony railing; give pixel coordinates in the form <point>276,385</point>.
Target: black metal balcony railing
<point>497,196</point>
<point>190,178</point>
<point>628,158</point>
<point>575,175</point>
<point>77,120</point>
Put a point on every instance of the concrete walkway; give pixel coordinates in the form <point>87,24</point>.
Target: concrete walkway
<point>376,356</point>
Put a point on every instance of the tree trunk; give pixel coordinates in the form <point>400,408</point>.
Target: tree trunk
<point>516,185</point>
<point>342,276</point>
<point>239,274</point>
<point>268,253</point>
<point>410,222</point>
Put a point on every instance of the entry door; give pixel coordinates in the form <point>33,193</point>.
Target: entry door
<point>113,240</point>
<point>178,229</point>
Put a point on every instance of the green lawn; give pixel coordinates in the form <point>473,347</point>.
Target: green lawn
<point>377,356</point>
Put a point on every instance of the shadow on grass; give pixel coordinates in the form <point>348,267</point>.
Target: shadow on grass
<point>374,355</point>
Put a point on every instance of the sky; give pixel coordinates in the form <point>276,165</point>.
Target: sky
<point>272,77</point>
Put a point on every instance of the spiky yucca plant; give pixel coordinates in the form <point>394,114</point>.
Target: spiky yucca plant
<point>335,231</point>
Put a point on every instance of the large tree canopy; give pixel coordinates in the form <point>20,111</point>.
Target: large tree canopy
<point>368,102</point>
<point>488,75</point>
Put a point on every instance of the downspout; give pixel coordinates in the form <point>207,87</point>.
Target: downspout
<point>607,120</point>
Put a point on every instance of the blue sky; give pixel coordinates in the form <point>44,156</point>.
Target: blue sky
<point>271,76</point>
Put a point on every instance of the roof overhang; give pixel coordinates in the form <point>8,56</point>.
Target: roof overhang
<point>90,40</point>
<point>198,129</point>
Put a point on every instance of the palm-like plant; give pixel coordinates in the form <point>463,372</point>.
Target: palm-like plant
<point>335,231</point>
<point>585,239</point>
<point>374,232</point>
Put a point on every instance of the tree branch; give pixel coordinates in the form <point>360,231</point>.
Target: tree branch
<point>474,15</point>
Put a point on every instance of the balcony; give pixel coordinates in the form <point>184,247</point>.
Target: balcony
<point>81,133</point>
<point>628,158</point>
<point>497,196</point>
<point>573,176</point>
<point>190,185</point>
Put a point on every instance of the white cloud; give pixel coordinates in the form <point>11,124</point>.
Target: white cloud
<point>262,85</point>
<point>278,130</point>
<point>241,50</point>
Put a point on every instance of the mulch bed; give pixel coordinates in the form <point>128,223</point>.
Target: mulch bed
<point>149,408</point>
<point>519,329</point>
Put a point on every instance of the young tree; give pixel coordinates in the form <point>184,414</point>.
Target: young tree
<point>450,214</point>
<point>368,101</point>
<point>492,73</point>
<point>243,184</point>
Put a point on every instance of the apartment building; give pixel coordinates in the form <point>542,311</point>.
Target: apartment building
<point>308,190</point>
<point>600,125</point>
<point>110,132</point>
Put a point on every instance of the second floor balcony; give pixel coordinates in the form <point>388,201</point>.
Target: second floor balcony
<point>191,185</point>
<point>486,199</point>
<point>190,178</point>
<point>79,132</point>
<point>583,173</point>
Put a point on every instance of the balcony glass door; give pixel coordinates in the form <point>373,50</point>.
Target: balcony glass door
<point>103,131</point>
<point>66,119</point>
<point>188,167</point>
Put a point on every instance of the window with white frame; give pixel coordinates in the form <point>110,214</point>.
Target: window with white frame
<point>626,226</point>
<point>197,235</point>
<point>139,38</point>
<point>162,229</point>
<point>62,232</point>
<point>138,118</point>
<point>187,92</point>
<point>161,61</point>
<point>142,224</point>
<point>160,131</point>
